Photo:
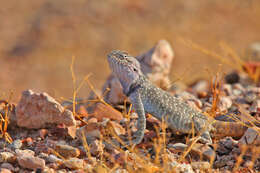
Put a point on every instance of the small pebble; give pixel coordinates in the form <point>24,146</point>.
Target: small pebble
<point>96,147</point>
<point>232,78</point>
<point>54,159</point>
<point>30,162</point>
<point>74,163</point>
<point>67,151</point>
<point>7,166</point>
<point>200,165</point>
<point>17,144</point>
<point>7,157</point>
<point>24,152</point>
<point>4,170</point>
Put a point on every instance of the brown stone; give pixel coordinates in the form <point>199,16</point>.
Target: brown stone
<point>4,170</point>
<point>35,110</point>
<point>67,151</point>
<point>30,162</point>
<point>106,111</point>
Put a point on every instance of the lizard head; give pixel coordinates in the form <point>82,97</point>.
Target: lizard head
<point>125,67</point>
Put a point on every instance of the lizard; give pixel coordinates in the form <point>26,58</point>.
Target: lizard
<point>177,114</point>
<point>155,64</point>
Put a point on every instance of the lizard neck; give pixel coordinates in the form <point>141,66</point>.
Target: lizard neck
<point>133,86</point>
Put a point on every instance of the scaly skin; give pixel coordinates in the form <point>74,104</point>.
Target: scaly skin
<point>147,98</point>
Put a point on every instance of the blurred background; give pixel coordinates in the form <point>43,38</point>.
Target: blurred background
<point>39,38</point>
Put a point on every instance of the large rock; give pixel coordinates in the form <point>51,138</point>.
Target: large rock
<point>26,159</point>
<point>35,110</point>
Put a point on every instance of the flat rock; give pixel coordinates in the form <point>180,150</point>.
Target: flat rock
<point>35,110</point>
<point>179,167</point>
<point>119,130</point>
<point>250,137</point>
<point>102,111</point>
<point>91,131</point>
<point>8,166</point>
<point>24,152</point>
<point>198,149</point>
<point>7,157</point>
<point>54,159</point>
<point>96,147</point>
<point>67,151</point>
<point>4,170</point>
<point>200,165</point>
<point>30,162</point>
<point>74,163</point>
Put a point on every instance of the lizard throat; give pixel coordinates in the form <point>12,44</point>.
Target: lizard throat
<point>132,89</point>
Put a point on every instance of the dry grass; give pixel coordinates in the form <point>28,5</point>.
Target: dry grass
<point>4,121</point>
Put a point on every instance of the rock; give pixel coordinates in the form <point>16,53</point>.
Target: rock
<point>48,170</point>
<point>119,130</point>
<point>179,168</point>
<point>7,157</point>
<point>120,170</point>
<point>224,103</point>
<point>43,155</point>
<point>198,149</point>
<point>157,59</point>
<point>200,166</point>
<point>227,88</point>
<point>43,133</point>
<point>8,166</point>
<point>253,51</point>
<point>4,170</point>
<point>200,86</point>
<point>186,96</point>
<point>225,146</point>
<point>232,78</point>
<point>91,131</point>
<point>248,164</point>
<point>106,111</point>
<point>80,106</point>
<point>191,100</point>
<point>24,152</point>
<point>223,161</point>
<point>30,162</point>
<point>67,151</point>
<point>250,96</point>
<point>62,171</point>
<point>114,91</point>
<point>54,159</point>
<point>17,144</point>
<point>74,163</point>
<point>96,147</point>
<point>203,150</point>
<point>255,106</point>
<point>35,110</point>
<point>120,158</point>
<point>29,141</point>
<point>250,137</point>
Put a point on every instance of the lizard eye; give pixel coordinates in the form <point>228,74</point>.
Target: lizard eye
<point>135,69</point>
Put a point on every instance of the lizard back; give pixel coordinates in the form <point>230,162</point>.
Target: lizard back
<point>161,104</point>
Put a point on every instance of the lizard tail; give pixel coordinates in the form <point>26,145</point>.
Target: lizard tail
<point>233,129</point>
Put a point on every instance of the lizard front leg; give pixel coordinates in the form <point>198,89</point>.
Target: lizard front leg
<point>202,126</point>
<point>141,122</point>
